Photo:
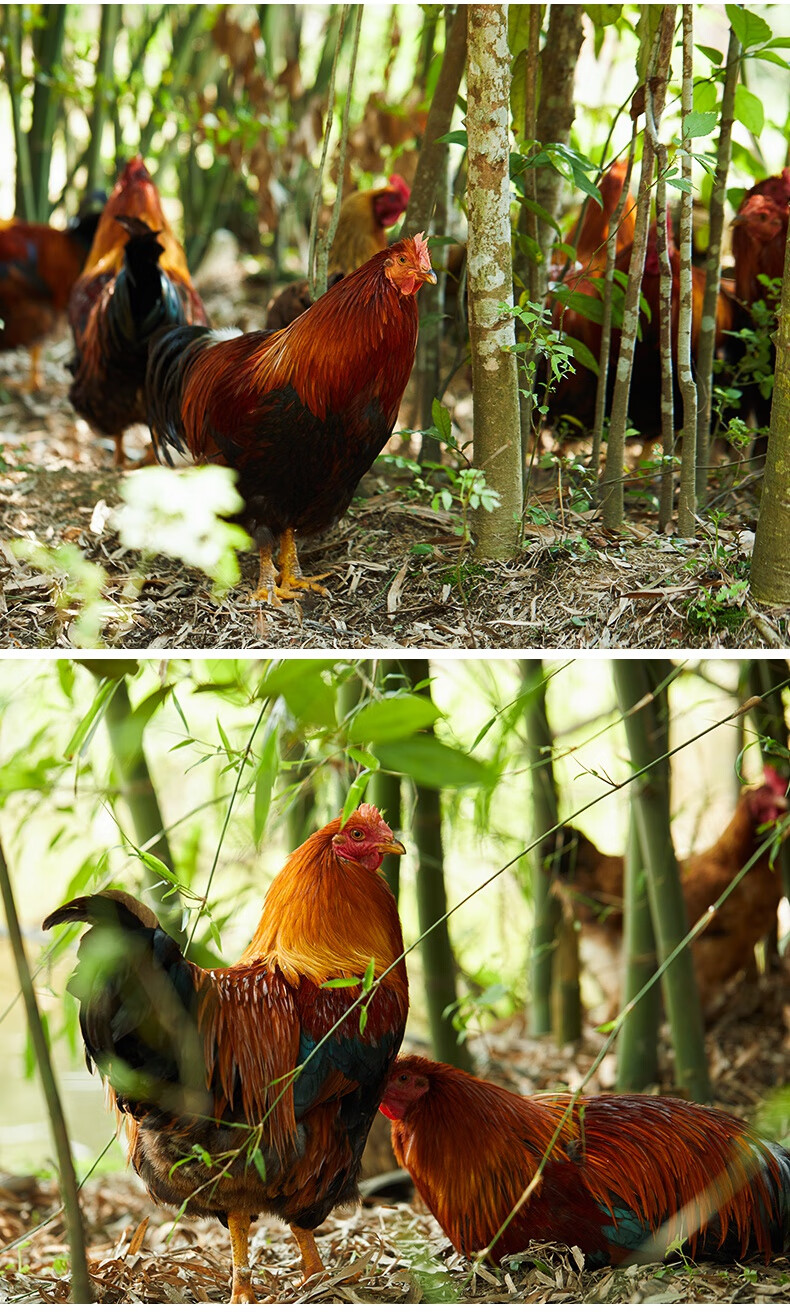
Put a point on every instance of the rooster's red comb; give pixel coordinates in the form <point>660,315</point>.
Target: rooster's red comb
<point>421,251</point>
<point>774,779</point>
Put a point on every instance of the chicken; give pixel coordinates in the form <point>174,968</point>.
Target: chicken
<point>363,219</point>
<point>727,944</point>
<point>301,414</point>
<point>135,281</point>
<point>247,1089</point>
<point>39,266</point>
<point>759,239</point>
<point>575,395</point>
<point>627,1177</point>
<point>590,241</point>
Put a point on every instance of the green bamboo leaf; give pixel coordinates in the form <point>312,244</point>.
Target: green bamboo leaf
<point>364,758</point>
<point>86,729</point>
<point>336,983</point>
<point>355,795</point>
<point>429,762</point>
<point>370,972</point>
<point>258,1161</point>
<point>265,778</point>
<point>156,865</point>
<point>392,718</point>
<point>363,1017</point>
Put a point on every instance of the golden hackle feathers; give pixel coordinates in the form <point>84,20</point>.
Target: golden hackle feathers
<point>323,917</point>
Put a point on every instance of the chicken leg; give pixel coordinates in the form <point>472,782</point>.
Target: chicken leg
<point>34,380</point>
<point>291,577</point>
<point>239,1229</point>
<point>311,1256</point>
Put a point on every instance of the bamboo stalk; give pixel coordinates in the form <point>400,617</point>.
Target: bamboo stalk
<point>81,1287</point>
<point>544,817</point>
<point>385,788</point>
<point>646,726</point>
<point>438,961</point>
<point>47,47</point>
<point>687,501</point>
<point>707,337</point>
<point>762,676</point>
<point>109,24</point>
<point>637,1052</point>
<point>11,20</point>
<point>566,1000</point>
<point>183,48</point>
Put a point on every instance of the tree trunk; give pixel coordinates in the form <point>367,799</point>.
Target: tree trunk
<point>637,1047</point>
<point>438,960</point>
<point>645,713</point>
<point>544,818</point>
<point>707,337</point>
<point>687,502</point>
<point>770,575</point>
<point>81,1289</point>
<point>431,165</point>
<point>494,380</point>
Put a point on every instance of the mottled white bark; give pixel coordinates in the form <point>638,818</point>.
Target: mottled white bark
<point>490,280</point>
<point>687,502</point>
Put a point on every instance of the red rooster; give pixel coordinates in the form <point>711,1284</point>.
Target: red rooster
<point>39,266</point>
<point>759,240</point>
<point>361,232</point>
<point>136,280</point>
<point>301,414</point>
<point>200,1062</point>
<point>627,1177</point>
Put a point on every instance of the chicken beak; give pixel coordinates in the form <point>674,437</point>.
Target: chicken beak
<point>392,847</point>
<point>428,276</point>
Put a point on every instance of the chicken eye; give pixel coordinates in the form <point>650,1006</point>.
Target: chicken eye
<point>403,1077</point>
<point>401,260</point>
<point>356,833</point>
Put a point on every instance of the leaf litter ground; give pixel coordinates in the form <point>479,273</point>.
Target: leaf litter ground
<point>398,576</point>
<point>389,1251</point>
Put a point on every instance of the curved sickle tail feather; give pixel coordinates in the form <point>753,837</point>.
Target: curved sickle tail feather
<point>169,361</point>
<point>138,1006</point>
<point>145,298</point>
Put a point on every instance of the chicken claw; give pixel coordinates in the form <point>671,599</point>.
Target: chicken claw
<point>291,577</point>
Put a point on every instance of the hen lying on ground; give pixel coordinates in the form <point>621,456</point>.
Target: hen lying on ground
<point>301,414</point>
<point>135,281</point>
<point>627,1177</point>
<point>200,1063</point>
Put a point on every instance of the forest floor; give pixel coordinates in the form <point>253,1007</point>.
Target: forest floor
<point>398,575</point>
<point>392,1251</point>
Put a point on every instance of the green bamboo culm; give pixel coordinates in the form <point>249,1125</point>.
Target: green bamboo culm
<point>385,788</point>
<point>544,818</point>
<point>109,24</point>
<point>438,961</point>
<point>566,999</point>
<point>762,678</point>
<point>81,1291</point>
<point>12,31</point>
<point>47,49</point>
<point>641,693</point>
<point>637,1051</point>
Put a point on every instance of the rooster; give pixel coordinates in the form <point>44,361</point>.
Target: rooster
<point>363,219</point>
<point>628,1176</point>
<point>726,945</point>
<point>246,1089</point>
<point>759,240</point>
<point>301,414</point>
<point>39,266</point>
<point>135,281</point>
<point>575,395</point>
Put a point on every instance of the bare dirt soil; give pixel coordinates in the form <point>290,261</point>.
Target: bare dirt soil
<point>398,574</point>
<point>392,1251</point>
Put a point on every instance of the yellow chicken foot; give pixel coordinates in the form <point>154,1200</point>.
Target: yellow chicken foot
<point>291,577</point>
<point>267,590</point>
<point>239,1229</point>
<point>119,459</point>
<point>311,1256</point>
<point>34,380</point>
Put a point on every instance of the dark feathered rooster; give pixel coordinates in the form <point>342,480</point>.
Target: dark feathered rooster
<point>135,281</point>
<point>628,1176</point>
<point>39,266</point>
<point>199,1062</point>
<point>361,232</point>
<point>300,414</point>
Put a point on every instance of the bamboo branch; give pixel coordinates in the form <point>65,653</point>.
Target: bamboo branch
<point>81,1288</point>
